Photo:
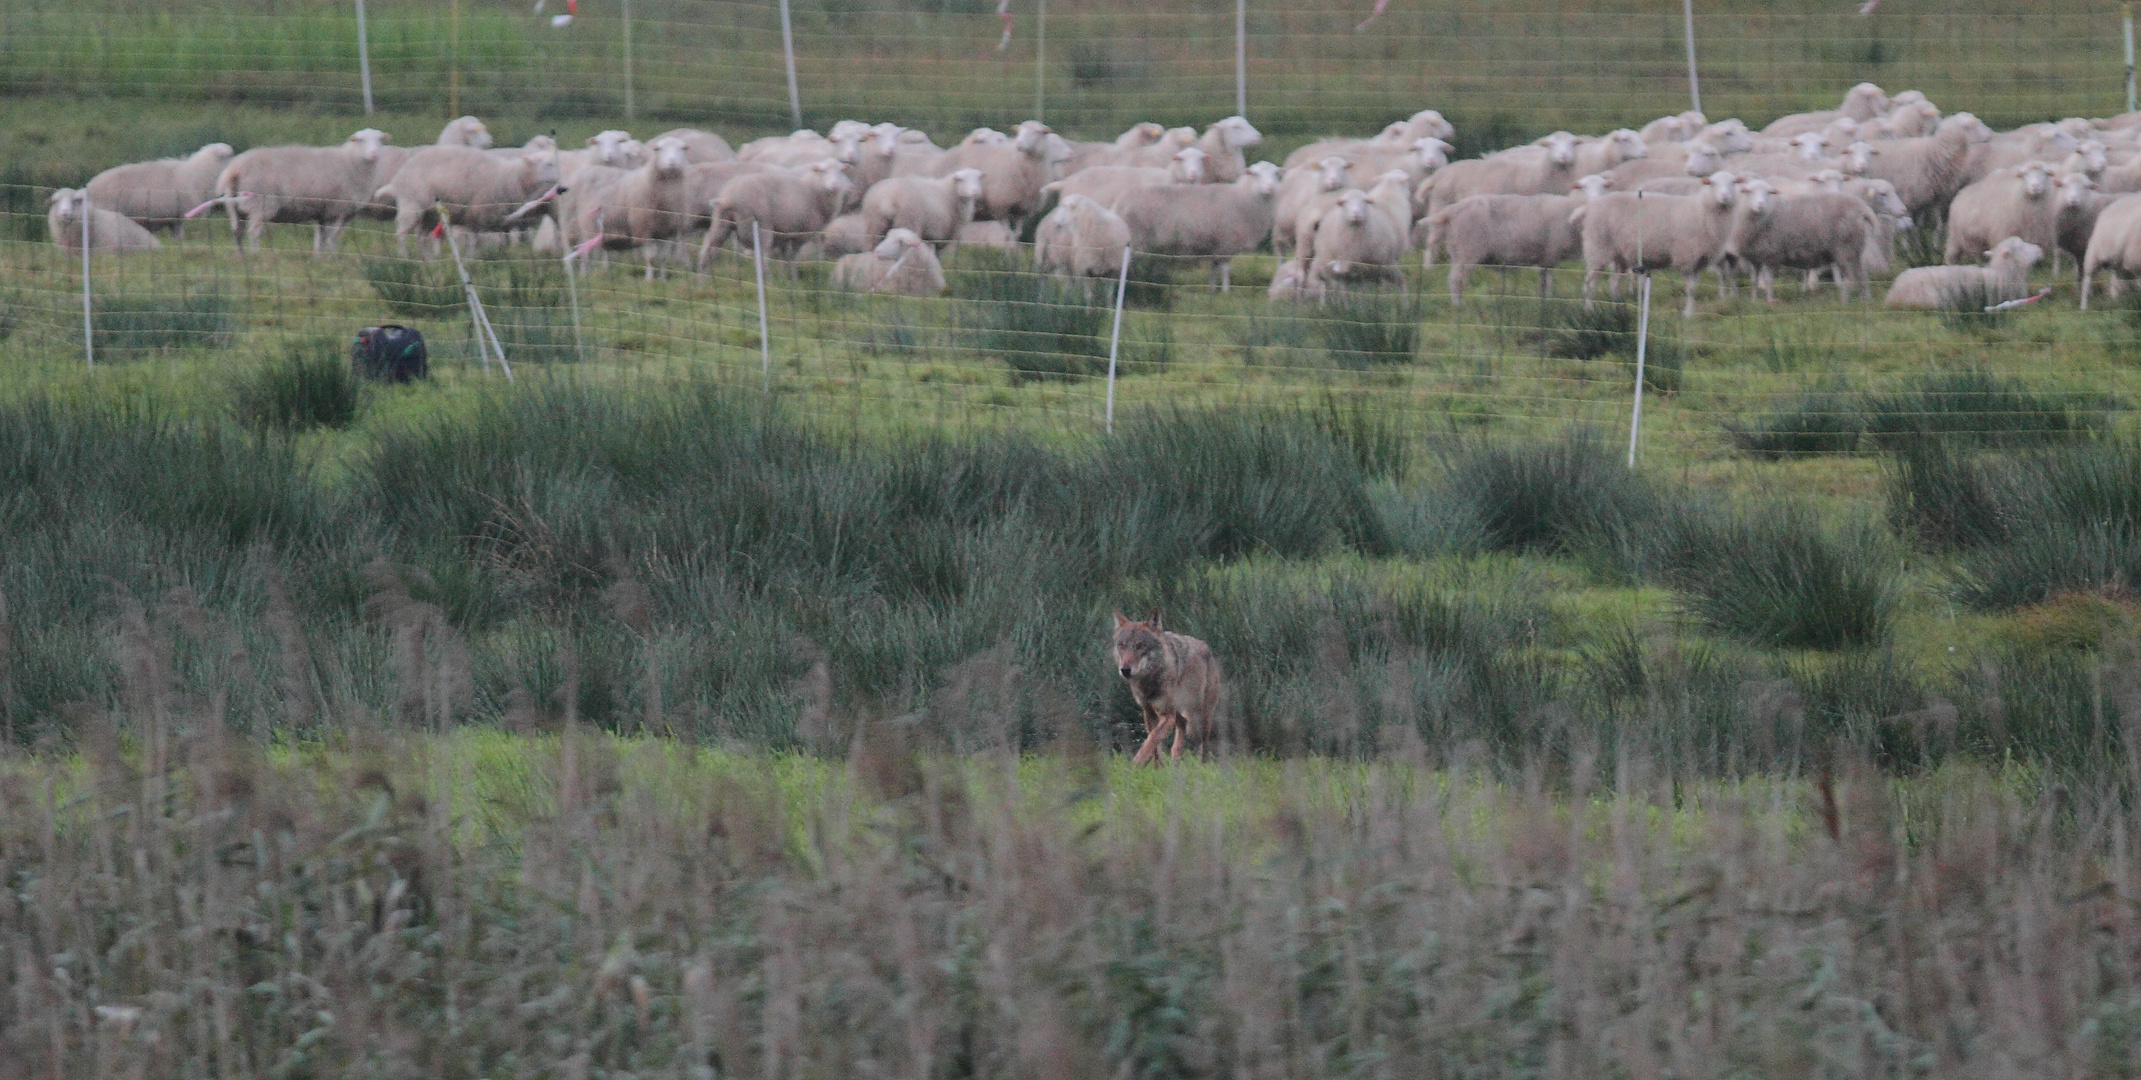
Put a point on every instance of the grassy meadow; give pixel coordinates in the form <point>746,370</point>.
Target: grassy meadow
<point>701,704</point>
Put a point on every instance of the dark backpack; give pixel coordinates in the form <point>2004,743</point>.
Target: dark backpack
<point>389,353</point>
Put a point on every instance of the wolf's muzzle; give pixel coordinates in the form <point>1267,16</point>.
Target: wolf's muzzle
<point>1125,670</point>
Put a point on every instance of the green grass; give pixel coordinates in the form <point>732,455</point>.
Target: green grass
<point>310,386</point>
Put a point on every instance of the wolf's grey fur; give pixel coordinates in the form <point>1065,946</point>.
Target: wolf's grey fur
<point>1175,680</point>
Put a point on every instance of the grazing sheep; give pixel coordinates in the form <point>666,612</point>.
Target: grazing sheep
<point>1862,102</point>
<point>1509,231</point>
<point>1362,238</point>
<point>2011,202</point>
<point>324,186</point>
<point>1425,124</point>
<point>1215,222</point>
<point>479,191</point>
<point>1080,239</point>
<point>1928,171</point>
<point>1640,232</point>
<point>464,131</point>
<point>157,194</point>
<point>1105,184</point>
<point>2004,277</point>
<point>790,206</point>
<point>902,263</point>
<point>2114,246</point>
<point>643,208</point>
<point>1818,231</point>
<point>1012,174</point>
<point>1304,194</point>
<point>700,147</point>
<point>934,208</point>
<point>985,234</point>
<point>1549,167</point>
<point>109,231</point>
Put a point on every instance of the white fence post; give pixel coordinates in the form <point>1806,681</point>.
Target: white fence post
<point>1040,57</point>
<point>1687,10</point>
<point>1122,284</point>
<point>364,58</point>
<point>795,98</point>
<point>1241,57</point>
<point>627,5</point>
<point>2127,18</point>
<point>572,292</point>
<point>765,343</point>
<point>476,314</point>
<point>89,330</point>
<point>1642,342</point>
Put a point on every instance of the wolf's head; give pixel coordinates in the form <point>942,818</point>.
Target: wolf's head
<point>1137,645</point>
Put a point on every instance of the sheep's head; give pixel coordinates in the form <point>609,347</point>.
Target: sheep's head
<point>1262,177</point>
<point>670,156</point>
<point>1397,178</point>
<point>1831,180</point>
<point>1432,153</point>
<point>1972,128</point>
<point>882,140</point>
<point>1236,132</point>
<point>215,151</point>
<point>1811,144</point>
<point>2036,178</point>
<point>1666,129</point>
<point>1335,170</point>
<point>1353,206</point>
<point>1729,137</point>
<point>2014,251</point>
<point>1756,193</point>
<point>966,184</point>
<point>1721,188</point>
<point>1908,97</point>
<point>829,175</point>
<point>540,142</point>
<point>66,204</point>
<point>2074,189</point>
<point>367,142</point>
<point>1858,158</point>
<point>1187,166</point>
<point>848,129</point>
<point>1842,129</point>
<point>1695,120</point>
<point>1428,123</point>
<point>1881,195</point>
<point>1028,139</point>
<point>1178,137</point>
<point>2078,126</point>
<point>1560,148</point>
<point>1592,186</point>
<point>631,154</point>
<point>1866,96</point>
<point>898,242</point>
<point>1144,133</point>
<point>466,131</point>
<point>1628,145</point>
<point>985,136</point>
<point>2095,157</point>
<point>608,145</point>
<point>1702,158</point>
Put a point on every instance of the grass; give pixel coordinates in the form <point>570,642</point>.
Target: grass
<point>310,386</point>
<point>132,326</point>
<point>1775,576</point>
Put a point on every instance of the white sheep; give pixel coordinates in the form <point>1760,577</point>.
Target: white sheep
<point>2004,277</point>
<point>1640,232</point>
<point>933,208</point>
<point>1013,173</point>
<point>157,194</point>
<point>1304,194</point>
<point>644,208</point>
<point>324,186</point>
<point>985,234</point>
<point>1215,221</point>
<point>790,207</point>
<point>1222,143</point>
<point>1929,170</point>
<point>1907,119</point>
<point>1818,231</point>
<point>700,147</point>
<point>902,263</point>
<point>1698,159</point>
<point>2114,247</point>
<point>464,131</point>
<point>109,231</point>
<point>779,146</point>
<point>1105,184</point>
<point>1080,239</point>
<point>479,191</point>
<point>1862,102</point>
<point>848,234</point>
<point>1546,168</point>
<point>1363,238</point>
<point>2078,204</point>
<point>1609,151</point>
<point>1088,155</point>
<point>1509,231</point>
<point>2011,202</point>
<point>1425,124</point>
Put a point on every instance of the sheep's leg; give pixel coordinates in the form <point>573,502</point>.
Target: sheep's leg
<point>1694,282</point>
<point>1590,285</point>
<point>1844,275</point>
<point>1546,282</point>
<point>1226,275</point>
<point>2055,259</point>
<point>1613,288</point>
<point>334,234</point>
<point>2088,279</point>
<point>1458,273</point>
<point>317,229</point>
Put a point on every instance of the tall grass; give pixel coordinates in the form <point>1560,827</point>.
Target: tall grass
<point>1037,325</point>
<point>1775,576</point>
<point>131,325</point>
<point>309,385</point>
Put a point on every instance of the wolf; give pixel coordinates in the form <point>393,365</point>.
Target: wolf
<point>1175,680</point>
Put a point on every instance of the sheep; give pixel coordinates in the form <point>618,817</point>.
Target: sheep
<point>1697,159</point>
<point>325,186</point>
<point>1222,144</point>
<point>2006,149</point>
<point>464,131</point>
<point>985,234</point>
<point>1012,175</point>
<point>848,234</point>
<point>1304,194</point>
<point>1509,231</point>
<point>902,263</point>
<point>2078,204</point>
<point>870,157</point>
<point>1425,124</point>
<point>700,147</point>
<point>1858,158</point>
<point>775,147</point>
<point>1599,155</point>
<point>109,230</point>
<point>1685,185</point>
<point>480,192</point>
<point>1909,119</point>
<point>1080,239</point>
<point>605,148</point>
<point>2011,202</point>
<point>1095,154</point>
<point>788,205</point>
<point>1105,184</point>
<point>985,136</point>
<point>1525,170</point>
<point>157,194</point>
<point>1215,222</point>
<point>1806,232</point>
<point>644,208</point>
<point>1929,170</point>
<point>1862,102</point>
<point>930,207</point>
<point>1728,136</point>
<point>1363,237</point>
<point>1666,129</point>
<point>1636,231</point>
<point>2004,277</point>
<point>2090,157</point>
<point>2114,245</point>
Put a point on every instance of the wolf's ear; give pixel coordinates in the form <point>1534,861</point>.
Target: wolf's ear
<point>1152,618</point>
<point>1120,622</point>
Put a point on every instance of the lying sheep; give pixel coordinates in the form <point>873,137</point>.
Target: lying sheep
<point>1304,194</point>
<point>1012,174</point>
<point>1080,239</point>
<point>1215,222</point>
<point>480,192</point>
<point>1640,232</point>
<point>1106,184</point>
<point>324,186</point>
<point>985,234</point>
<point>1509,231</point>
<point>2010,202</point>
<point>789,206</point>
<point>1862,102</point>
<point>903,264</point>
<point>1819,231</point>
<point>934,208</point>
<point>109,231</point>
<point>157,194</point>
<point>1362,238</point>
<point>848,234</point>
<point>2004,277</point>
<point>1526,170</point>
<point>2114,246</point>
<point>700,147</point>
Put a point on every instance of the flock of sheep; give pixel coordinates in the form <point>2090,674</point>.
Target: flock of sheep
<point>1813,193</point>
